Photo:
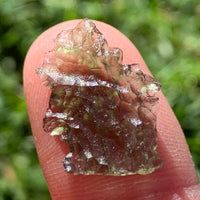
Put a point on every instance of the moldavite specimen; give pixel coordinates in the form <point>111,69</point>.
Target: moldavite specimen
<point>101,108</point>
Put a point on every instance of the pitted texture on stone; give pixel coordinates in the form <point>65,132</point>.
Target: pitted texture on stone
<point>104,110</point>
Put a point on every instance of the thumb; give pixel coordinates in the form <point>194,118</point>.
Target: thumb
<point>175,180</point>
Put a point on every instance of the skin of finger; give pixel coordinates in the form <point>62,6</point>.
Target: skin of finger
<point>178,170</point>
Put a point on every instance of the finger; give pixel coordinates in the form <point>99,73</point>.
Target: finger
<point>176,177</point>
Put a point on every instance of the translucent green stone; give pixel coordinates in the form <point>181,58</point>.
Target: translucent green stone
<point>101,108</point>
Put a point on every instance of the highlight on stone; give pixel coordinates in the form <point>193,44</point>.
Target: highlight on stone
<point>104,110</point>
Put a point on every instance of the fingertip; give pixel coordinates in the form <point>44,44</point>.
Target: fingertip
<point>178,166</point>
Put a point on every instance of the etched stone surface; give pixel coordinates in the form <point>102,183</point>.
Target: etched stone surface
<point>104,110</point>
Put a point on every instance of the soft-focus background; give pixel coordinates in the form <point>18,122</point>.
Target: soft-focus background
<point>167,33</point>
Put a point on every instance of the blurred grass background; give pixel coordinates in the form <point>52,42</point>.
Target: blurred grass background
<point>167,33</point>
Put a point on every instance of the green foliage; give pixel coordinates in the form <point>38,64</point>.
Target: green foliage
<point>165,32</point>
